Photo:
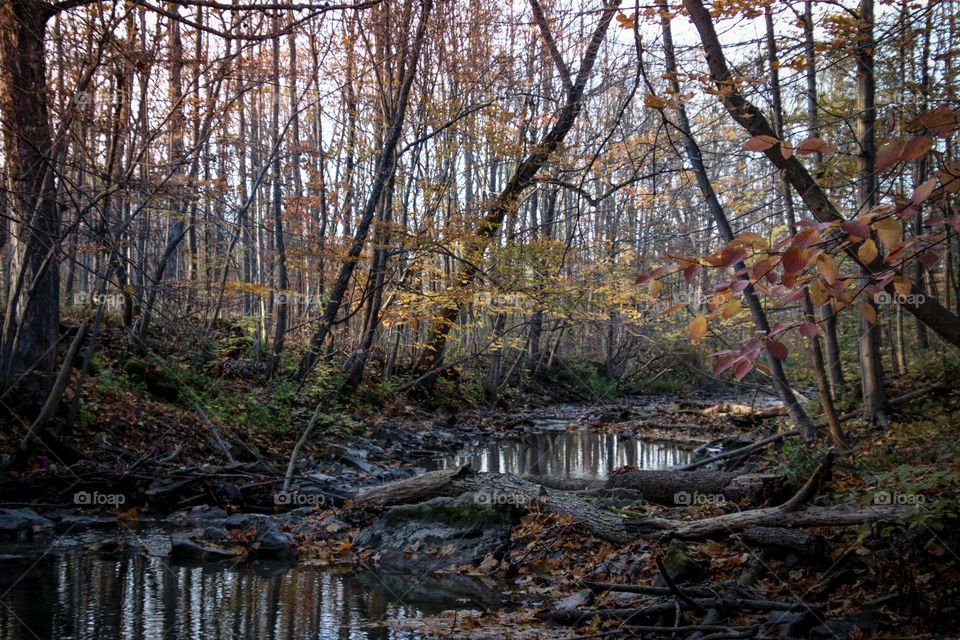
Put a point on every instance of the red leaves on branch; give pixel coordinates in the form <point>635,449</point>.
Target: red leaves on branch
<point>809,330</point>
<point>760,143</point>
<point>778,350</point>
<point>794,260</point>
<point>902,149</point>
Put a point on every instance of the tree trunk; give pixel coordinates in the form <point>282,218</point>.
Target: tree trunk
<point>32,320</point>
<point>386,164</point>
<point>799,417</point>
<point>871,365</point>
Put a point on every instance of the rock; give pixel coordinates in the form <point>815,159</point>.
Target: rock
<point>199,516</point>
<point>320,489</point>
<point>272,543</point>
<point>22,524</point>
<point>681,565</point>
<point>356,458</point>
<point>848,626</point>
<point>183,548</point>
<point>243,521</point>
<point>792,623</point>
<point>398,473</point>
<point>77,523</point>
<point>438,533</point>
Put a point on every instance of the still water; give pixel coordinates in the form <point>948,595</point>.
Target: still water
<point>145,597</point>
<point>72,593</point>
<point>568,454</point>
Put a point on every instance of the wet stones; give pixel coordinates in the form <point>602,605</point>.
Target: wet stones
<point>440,532</point>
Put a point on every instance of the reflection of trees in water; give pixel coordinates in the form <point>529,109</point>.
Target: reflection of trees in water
<point>140,598</point>
<point>570,454</point>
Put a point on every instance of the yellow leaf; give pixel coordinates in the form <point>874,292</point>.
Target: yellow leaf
<point>889,231</point>
<point>655,288</point>
<point>828,268</point>
<point>730,309</point>
<point>903,285</point>
<point>868,312</point>
<point>867,251</point>
<point>697,328</point>
<point>818,293</point>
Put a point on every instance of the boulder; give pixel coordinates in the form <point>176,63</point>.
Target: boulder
<point>22,524</point>
<point>183,548</point>
<point>438,533</point>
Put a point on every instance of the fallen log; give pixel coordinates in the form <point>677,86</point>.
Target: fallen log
<point>686,488</point>
<point>571,617</point>
<point>759,444</point>
<point>781,539</point>
<point>566,484</point>
<point>409,490</point>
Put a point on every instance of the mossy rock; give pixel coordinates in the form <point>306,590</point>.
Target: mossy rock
<point>162,386</point>
<point>136,369</point>
<point>681,565</point>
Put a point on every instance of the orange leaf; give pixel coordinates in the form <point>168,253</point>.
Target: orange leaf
<point>868,312</point>
<point>916,148</point>
<point>794,260</point>
<point>697,328</point>
<point>868,251</point>
<point>759,143</point>
<point>889,154</point>
<point>828,268</point>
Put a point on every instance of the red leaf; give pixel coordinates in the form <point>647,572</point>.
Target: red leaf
<point>759,143</point>
<point>857,229</point>
<point>724,363</point>
<point>794,260</point>
<point>778,350</point>
<point>921,193</point>
<point>731,255</point>
<point>929,258</point>
<point>889,154</point>
<point>690,273</point>
<point>742,369</point>
<point>809,329</point>
<point>793,296</point>
<point>806,238</point>
<point>814,144</point>
<point>740,285</point>
<point>916,148</point>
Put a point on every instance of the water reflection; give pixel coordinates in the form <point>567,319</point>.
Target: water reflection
<point>141,597</point>
<point>569,454</point>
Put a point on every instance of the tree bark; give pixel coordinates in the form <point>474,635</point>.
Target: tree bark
<point>32,319</point>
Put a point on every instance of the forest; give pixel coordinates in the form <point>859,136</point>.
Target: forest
<point>422,319</point>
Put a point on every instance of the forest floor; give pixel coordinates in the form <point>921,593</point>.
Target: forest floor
<point>140,428</point>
